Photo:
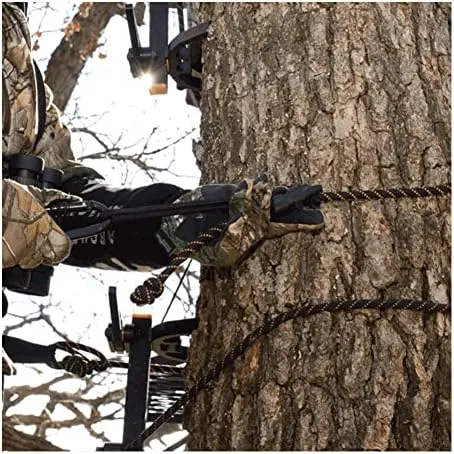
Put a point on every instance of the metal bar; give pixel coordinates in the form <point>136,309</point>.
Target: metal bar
<point>159,34</point>
<point>132,25</point>
<point>180,10</point>
<point>136,405</point>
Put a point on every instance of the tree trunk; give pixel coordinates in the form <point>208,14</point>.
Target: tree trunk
<point>15,440</point>
<point>351,96</point>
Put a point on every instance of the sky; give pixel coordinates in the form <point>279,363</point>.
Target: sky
<point>120,105</point>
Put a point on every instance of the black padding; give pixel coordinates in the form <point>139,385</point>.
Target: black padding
<point>130,243</point>
<point>21,351</point>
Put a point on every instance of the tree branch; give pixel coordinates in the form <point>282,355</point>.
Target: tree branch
<point>81,39</point>
<point>15,440</point>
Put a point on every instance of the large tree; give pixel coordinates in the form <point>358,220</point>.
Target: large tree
<point>350,96</point>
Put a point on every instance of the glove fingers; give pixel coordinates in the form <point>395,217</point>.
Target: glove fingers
<point>276,230</point>
<point>298,195</point>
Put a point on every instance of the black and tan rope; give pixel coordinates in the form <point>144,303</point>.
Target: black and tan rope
<point>153,287</point>
<point>78,364</point>
<point>381,194</point>
<point>303,311</point>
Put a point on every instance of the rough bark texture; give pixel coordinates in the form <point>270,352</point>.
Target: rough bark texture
<point>349,96</point>
<point>15,440</point>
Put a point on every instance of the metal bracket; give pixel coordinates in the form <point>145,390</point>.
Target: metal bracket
<point>182,58</point>
<point>185,58</point>
<point>136,339</point>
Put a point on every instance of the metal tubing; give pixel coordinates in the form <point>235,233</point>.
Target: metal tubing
<point>136,405</point>
<point>159,34</point>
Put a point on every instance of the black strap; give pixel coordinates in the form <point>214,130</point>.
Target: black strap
<point>41,100</point>
<point>21,351</point>
<point>6,108</point>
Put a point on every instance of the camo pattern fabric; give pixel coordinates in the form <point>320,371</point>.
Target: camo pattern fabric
<point>249,223</point>
<point>20,103</point>
<point>30,236</point>
<point>251,209</point>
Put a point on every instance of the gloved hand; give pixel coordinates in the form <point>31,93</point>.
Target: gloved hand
<point>256,212</point>
<point>263,213</point>
<point>30,236</point>
<point>295,209</point>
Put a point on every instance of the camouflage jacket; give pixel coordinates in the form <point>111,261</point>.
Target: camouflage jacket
<point>21,90</point>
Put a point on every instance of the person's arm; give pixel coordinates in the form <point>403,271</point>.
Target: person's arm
<point>144,245</point>
<point>129,246</point>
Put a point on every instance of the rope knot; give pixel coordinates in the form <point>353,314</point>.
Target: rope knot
<point>146,293</point>
<point>77,366</point>
<point>76,363</point>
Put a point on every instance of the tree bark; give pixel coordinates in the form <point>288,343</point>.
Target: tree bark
<point>80,41</point>
<point>351,96</point>
<point>15,440</point>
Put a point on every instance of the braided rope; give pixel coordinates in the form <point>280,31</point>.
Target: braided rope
<point>78,364</point>
<point>305,310</point>
<point>153,287</point>
<point>380,194</point>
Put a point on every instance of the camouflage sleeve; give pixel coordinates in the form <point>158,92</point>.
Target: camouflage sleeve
<point>23,94</point>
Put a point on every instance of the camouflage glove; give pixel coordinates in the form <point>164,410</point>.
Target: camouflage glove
<point>295,209</point>
<point>256,217</point>
<point>252,218</point>
<point>30,236</point>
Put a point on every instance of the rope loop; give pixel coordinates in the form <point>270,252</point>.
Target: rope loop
<point>76,363</point>
<point>153,287</point>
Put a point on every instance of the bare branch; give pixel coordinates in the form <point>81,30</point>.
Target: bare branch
<point>81,39</point>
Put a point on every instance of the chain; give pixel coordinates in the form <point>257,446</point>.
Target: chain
<point>305,310</point>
